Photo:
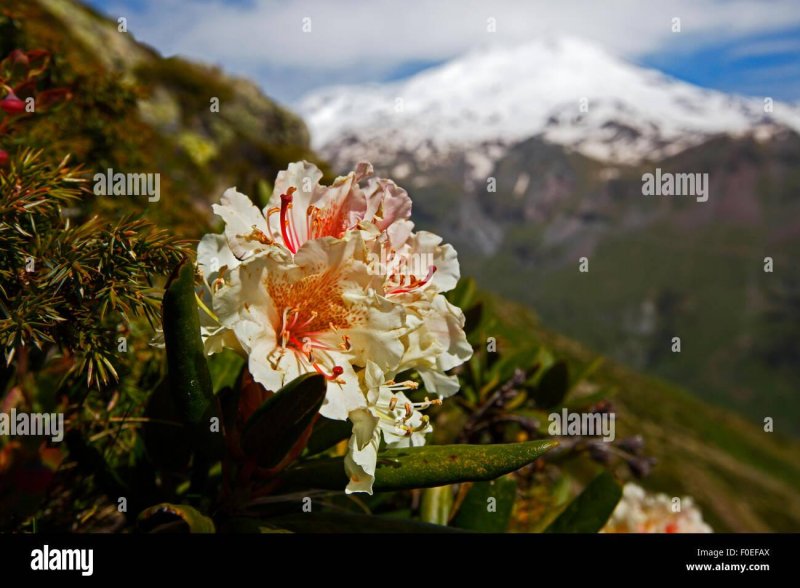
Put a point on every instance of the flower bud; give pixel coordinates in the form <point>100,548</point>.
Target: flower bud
<point>12,105</point>
<point>18,56</point>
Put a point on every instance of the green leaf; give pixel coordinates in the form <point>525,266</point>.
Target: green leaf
<point>164,433</point>
<point>327,433</point>
<point>334,522</point>
<point>190,381</point>
<point>166,517</point>
<point>436,504</point>
<point>544,359</point>
<point>277,425</point>
<point>479,512</point>
<point>590,511</point>
<point>424,467</point>
<point>553,386</point>
<point>225,368</point>
<point>464,294</point>
<point>578,403</point>
<point>472,317</point>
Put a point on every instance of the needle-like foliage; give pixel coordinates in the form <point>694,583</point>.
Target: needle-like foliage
<point>62,284</point>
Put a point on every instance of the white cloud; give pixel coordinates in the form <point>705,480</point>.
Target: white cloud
<point>367,37</point>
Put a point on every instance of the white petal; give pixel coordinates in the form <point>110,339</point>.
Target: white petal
<point>213,254</point>
<point>364,423</point>
<point>439,383</point>
<point>399,232</point>
<point>360,464</point>
<point>446,322</point>
<point>344,395</point>
<point>241,217</point>
<point>304,177</point>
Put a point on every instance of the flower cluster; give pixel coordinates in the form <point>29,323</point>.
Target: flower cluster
<point>334,280</point>
<point>641,512</point>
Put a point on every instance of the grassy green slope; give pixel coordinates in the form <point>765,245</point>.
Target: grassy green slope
<point>661,268</point>
<point>744,478</point>
<point>702,289</point>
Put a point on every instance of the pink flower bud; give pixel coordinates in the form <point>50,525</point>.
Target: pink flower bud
<point>12,105</point>
<point>18,56</point>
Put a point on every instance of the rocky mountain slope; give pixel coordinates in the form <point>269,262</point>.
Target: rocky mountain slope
<point>502,161</point>
<point>564,90</point>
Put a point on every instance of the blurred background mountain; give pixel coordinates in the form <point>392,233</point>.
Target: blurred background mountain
<point>568,185</point>
<point>530,158</point>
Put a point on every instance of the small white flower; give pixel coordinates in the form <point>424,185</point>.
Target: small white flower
<point>389,414</point>
<point>641,512</point>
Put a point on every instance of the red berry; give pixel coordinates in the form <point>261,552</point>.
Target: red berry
<point>12,105</point>
<point>3,157</point>
<point>338,370</point>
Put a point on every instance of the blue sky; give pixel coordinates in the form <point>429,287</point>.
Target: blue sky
<point>759,65</point>
<point>740,46</point>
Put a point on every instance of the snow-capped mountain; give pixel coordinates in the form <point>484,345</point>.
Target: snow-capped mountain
<point>565,90</point>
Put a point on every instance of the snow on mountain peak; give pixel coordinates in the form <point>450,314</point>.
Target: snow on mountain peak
<point>567,90</point>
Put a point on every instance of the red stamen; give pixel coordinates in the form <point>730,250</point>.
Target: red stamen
<point>286,203</point>
<point>337,371</point>
<point>413,284</point>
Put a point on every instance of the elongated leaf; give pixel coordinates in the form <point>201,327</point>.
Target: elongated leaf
<point>591,509</point>
<point>424,467</point>
<point>436,504</point>
<point>279,422</point>
<point>166,517</point>
<point>225,368</point>
<point>164,433</point>
<point>189,378</point>
<point>472,317</point>
<point>553,386</point>
<point>464,294</point>
<point>488,505</point>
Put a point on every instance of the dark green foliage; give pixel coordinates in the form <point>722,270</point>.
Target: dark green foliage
<point>589,512</point>
<point>65,284</point>
<point>278,424</point>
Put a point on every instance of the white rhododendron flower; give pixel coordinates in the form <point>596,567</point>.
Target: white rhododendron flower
<point>389,414</point>
<point>642,512</point>
<point>334,280</point>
